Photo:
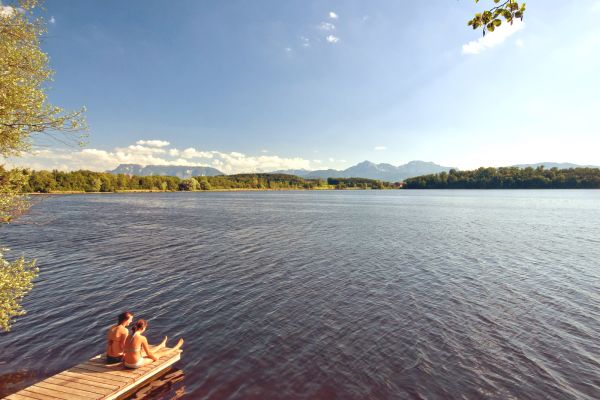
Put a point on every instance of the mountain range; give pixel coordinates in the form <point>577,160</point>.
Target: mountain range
<point>368,169</point>
<point>365,169</point>
<point>550,165</point>
<point>180,171</point>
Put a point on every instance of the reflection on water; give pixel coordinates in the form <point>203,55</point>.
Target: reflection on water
<point>168,386</point>
<point>350,295</point>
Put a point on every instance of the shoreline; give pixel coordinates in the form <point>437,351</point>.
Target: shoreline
<point>73,192</point>
<point>281,190</point>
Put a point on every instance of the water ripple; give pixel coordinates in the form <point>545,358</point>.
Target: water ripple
<point>349,295</point>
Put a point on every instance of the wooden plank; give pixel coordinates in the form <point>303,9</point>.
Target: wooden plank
<point>98,383</point>
<point>34,395</point>
<point>19,396</point>
<point>65,389</point>
<point>106,371</point>
<point>48,394</point>
<point>85,385</point>
<point>96,374</point>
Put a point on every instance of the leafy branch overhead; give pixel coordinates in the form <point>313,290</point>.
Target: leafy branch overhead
<point>490,19</point>
<point>24,112</point>
<point>24,77</point>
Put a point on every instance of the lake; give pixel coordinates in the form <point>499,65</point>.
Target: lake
<point>327,295</point>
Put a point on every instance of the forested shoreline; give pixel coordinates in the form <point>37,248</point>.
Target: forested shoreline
<point>84,181</point>
<point>104,182</point>
<point>509,178</point>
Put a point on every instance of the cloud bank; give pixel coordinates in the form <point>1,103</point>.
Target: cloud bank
<point>154,152</point>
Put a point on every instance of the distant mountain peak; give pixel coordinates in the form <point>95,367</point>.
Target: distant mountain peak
<point>365,163</point>
<point>420,162</point>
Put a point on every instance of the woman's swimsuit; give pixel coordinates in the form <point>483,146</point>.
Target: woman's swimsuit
<point>140,362</point>
<point>113,360</point>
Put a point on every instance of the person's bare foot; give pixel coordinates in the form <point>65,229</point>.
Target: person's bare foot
<point>163,343</point>
<point>179,344</point>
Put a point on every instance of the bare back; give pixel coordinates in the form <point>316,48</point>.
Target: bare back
<point>116,340</point>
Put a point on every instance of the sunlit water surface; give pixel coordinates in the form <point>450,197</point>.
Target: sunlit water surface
<point>348,295</point>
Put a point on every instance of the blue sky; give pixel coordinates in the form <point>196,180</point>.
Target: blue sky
<point>260,85</point>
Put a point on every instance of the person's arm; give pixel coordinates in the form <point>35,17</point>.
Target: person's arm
<point>122,340</point>
<point>147,349</point>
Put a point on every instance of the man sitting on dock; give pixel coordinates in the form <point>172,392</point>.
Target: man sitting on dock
<point>117,334</point>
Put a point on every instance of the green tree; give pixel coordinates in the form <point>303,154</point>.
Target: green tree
<point>15,277</point>
<point>490,19</point>
<point>204,184</point>
<point>15,282</point>
<point>189,184</point>
<point>24,111</point>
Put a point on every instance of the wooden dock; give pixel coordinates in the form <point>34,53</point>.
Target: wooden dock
<point>95,380</point>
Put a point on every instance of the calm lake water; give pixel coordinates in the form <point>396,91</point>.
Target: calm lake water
<point>327,295</point>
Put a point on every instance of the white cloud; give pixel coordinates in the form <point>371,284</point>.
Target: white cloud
<point>520,43</point>
<point>237,162</point>
<point>333,15</point>
<point>153,143</point>
<point>288,49</point>
<point>327,26</point>
<point>138,149</point>
<point>380,148</point>
<point>305,42</point>
<point>103,160</point>
<point>52,20</point>
<point>332,39</point>
<point>492,39</point>
<point>191,152</point>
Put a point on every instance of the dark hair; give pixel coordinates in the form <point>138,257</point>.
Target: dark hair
<point>124,316</point>
<point>139,325</point>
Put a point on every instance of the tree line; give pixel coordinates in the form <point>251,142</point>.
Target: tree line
<point>509,178</point>
<point>359,183</point>
<point>90,181</point>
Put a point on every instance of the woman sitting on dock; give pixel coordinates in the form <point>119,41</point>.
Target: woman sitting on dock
<point>116,337</point>
<point>136,342</point>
